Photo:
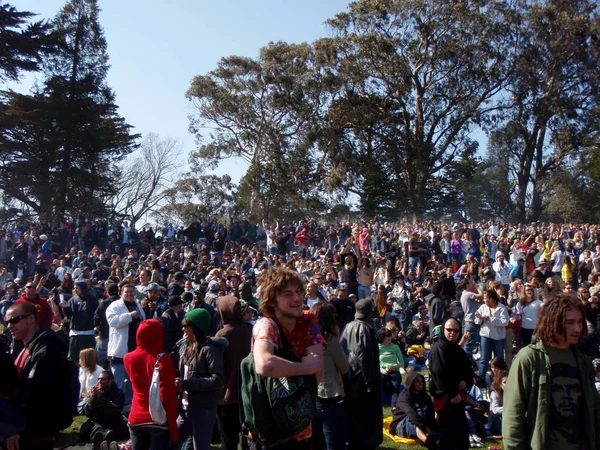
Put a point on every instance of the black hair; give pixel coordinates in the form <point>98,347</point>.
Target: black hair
<point>107,374</point>
<point>383,333</point>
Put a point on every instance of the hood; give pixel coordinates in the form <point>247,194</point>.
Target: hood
<point>410,379</point>
<point>442,337</point>
<point>47,335</point>
<point>219,342</point>
<point>150,337</point>
<point>229,308</point>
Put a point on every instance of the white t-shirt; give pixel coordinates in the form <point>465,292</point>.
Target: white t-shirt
<point>559,260</point>
<point>530,314</point>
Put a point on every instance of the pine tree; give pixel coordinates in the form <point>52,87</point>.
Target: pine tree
<point>73,137</point>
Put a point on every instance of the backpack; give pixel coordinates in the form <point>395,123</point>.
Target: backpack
<point>276,409</point>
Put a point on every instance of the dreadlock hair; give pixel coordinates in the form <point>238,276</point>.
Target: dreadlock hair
<point>553,316</point>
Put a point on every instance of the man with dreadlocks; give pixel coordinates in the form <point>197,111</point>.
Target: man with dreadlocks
<point>550,401</point>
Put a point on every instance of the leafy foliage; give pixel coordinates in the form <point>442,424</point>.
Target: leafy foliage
<point>23,42</point>
<point>62,143</point>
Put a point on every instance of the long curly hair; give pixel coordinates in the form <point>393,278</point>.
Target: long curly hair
<point>553,316</point>
<point>272,283</point>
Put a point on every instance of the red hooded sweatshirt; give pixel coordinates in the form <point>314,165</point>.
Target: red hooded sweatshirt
<point>140,367</point>
<point>44,311</point>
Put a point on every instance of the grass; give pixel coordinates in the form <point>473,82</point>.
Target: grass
<point>69,436</point>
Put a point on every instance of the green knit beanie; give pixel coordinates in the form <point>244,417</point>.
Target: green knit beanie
<point>200,318</point>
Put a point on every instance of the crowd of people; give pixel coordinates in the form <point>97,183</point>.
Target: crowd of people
<point>144,332</point>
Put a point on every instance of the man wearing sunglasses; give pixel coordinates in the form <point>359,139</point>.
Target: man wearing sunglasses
<point>43,380</point>
<point>103,408</point>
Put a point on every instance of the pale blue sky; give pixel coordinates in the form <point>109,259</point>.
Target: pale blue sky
<point>157,47</point>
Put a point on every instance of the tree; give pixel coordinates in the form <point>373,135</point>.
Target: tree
<point>145,178</point>
<point>62,143</point>
<point>262,111</point>
<point>551,96</point>
<point>429,70</point>
<point>23,42</point>
<point>194,197</point>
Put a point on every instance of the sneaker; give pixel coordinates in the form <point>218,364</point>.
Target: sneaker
<point>113,446</point>
<point>472,442</point>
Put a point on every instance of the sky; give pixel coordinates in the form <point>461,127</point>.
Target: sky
<point>157,47</point>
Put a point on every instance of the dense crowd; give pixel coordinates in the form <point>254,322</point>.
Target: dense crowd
<point>396,306</point>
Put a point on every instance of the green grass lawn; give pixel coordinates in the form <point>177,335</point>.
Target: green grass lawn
<point>69,435</point>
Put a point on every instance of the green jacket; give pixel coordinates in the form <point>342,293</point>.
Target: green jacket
<point>527,400</point>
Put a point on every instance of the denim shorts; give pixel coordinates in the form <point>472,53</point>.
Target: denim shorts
<point>406,429</point>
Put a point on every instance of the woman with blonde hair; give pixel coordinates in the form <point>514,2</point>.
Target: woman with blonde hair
<point>89,371</point>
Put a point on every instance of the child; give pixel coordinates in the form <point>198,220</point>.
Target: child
<point>391,361</point>
<point>497,402</point>
<point>414,416</point>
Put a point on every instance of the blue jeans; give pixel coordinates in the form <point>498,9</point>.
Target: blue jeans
<point>102,349</point>
<point>363,291</point>
<point>457,256</point>
<point>144,437</point>
<point>487,347</point>
<point>391,385</point>
<point>406,429</point>
<point>331,422</point>
<point>196,428</point>
<point>470,346</point>
<point>121,379</point>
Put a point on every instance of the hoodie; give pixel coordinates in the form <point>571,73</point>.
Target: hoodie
<point>448,365</point>
<point>238,334</point>
<point>140,367</point>
<point>81,309</point>
<point>44,311</point>
<point>418,407</point>
<point>41,384</point>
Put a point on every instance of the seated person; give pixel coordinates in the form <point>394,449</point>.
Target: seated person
<point>422,315</point>
<point>414,416</point>
<point>103,407</point>
<point>89,371</point>
<point>497,403</point>
<point>391,361</point>
<point>417,333</point>
<point>497,364</point>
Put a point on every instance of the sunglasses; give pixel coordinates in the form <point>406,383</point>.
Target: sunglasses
<point>103,379</point>
<point>29,287</point>
<point>16,320</point>
<point>452,330</point>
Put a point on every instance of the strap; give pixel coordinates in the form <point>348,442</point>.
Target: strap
<point>284,342</point>
<point>160,355</point>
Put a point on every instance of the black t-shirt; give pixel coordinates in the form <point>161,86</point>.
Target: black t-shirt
<point>565,427</point>
<point>133,326</point>
<point>344,311</point>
